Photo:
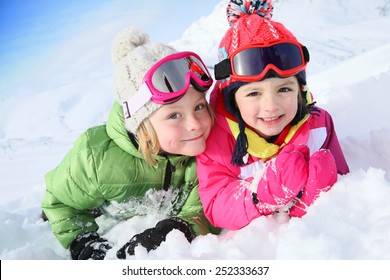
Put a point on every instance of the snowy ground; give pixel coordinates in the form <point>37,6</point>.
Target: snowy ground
<point>349,75</point>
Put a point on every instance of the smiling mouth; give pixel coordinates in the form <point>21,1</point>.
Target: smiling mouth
<point>270,119</point>
<point>194,138</point>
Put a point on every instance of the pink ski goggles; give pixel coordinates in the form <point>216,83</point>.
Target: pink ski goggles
<point>168,80</point>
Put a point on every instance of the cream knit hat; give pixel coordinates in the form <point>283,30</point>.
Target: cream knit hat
<point>133,55</point>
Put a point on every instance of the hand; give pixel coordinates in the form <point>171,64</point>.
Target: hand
<point>89,246</point>
<point>322,176</point>
<point>153,237</point>
<point>284,178</point>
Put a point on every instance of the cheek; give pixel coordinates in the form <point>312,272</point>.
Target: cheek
<point>207,121</point>
<point>169,139</point>
<point>158,129</point>
<point>291,105</point>
<point>290,109</point>
<point>165,133</point>
<point>204,119</point>
<point>240,105</point>
<point>248,110</point>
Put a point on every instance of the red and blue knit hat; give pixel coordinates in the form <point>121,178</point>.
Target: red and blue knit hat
<point>250,24</point>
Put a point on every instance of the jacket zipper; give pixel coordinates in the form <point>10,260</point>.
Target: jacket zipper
<point>168,175</point>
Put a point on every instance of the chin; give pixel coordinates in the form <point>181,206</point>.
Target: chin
<point>196,151</point>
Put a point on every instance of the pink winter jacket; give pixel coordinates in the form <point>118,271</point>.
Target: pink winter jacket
<point>229,205</point>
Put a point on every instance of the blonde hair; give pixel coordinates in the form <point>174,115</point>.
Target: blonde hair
<point>149,146</point>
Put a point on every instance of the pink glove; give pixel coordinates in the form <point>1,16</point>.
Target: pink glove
<point>284,177</point>
<point>322,176</point>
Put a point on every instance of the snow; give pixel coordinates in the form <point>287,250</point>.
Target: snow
<point>349,75</point>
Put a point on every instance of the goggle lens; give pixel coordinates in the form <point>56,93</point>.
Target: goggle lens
<point>253,61</point>
<point>172,75</point>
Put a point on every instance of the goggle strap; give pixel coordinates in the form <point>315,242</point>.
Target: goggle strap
<point>137,101</point>
<point>306,54</point>
<point>126,111</point>
<point>223,69</point>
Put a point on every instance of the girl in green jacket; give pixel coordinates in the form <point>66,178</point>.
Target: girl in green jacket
<point>144,155</point>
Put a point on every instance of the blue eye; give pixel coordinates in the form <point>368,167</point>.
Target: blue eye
<point>174,116</point>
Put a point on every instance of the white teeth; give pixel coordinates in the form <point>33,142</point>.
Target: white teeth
<point>270,119</point>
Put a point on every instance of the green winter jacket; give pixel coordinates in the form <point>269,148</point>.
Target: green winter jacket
<point>105,170</point>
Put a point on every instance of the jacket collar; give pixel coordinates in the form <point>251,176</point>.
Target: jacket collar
<point>258,146</point>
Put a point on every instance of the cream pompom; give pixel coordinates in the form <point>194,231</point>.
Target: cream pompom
<point>127,40</point>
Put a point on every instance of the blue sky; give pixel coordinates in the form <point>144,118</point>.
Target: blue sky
<point>32,29</point>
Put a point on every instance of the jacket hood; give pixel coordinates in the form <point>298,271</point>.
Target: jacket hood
<point>116,130</point>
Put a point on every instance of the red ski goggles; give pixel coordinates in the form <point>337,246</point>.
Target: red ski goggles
<point>252,63</point>
<point>168,80</point>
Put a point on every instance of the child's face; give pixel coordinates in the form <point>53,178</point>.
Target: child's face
<point>269,105</point>
<point>183,127</point>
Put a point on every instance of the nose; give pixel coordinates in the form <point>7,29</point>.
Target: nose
<point>269,103</point>
<point>193,123</point>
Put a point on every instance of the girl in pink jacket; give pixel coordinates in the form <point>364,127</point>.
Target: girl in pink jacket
<point>271,150</point>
